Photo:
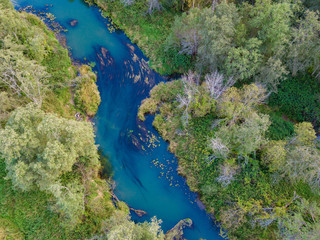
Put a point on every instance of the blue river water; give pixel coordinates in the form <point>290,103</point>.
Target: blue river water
<point>144,171</point>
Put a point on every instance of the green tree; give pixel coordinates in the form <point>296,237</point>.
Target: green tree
<point>239,103</point>
<point>303,223</point>
<point>244,62</point>
<point>303,164</point>
<point>119,226</point>
<point>217,36</point>
<point>305,134</point>
<point>39,148</point>
<point>21,75</point>
<point>185,35</point>
<point>87,95</point>
<point>271,22</point>
<point>7,104</point>
<point>304,50</point>
<point>246,137</point>
<point>274,154</point>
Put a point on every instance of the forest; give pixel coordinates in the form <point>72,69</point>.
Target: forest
<point>241,114</point>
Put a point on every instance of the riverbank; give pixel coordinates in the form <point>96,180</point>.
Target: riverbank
<point>226,162</point>
<point>148,31</point>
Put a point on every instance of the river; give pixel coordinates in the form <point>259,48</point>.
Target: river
<point>144,171</point>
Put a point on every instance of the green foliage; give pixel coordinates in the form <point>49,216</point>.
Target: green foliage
<point>246,137</point>
<point>225,155</point>
<point>279,128</point>
<point>303,224</point>
<point>297,98</point>
<point>312,4</point>
<point>40,147</point>
<point>147,31</point>
<point>87,96</point>
<point>7,104</point>
<point>29,36</point>
<point>119,226</point>
<point>263,41</point>
<point>305,134</point>
<point>9,231</point>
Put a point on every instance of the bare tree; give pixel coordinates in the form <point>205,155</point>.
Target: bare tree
<point>227,173</point>
<point>213,5</point>
<point>216,84</point>
<point>127,2</point>
<point>189,42</point>
<point>153,5</point>
<point>219,149</point>
<point>190,83</point>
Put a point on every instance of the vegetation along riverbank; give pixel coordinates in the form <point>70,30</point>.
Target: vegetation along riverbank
<point>243,118</point>
<point>50,186</point>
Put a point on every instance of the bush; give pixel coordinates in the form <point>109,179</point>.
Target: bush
<point>87,96</point>
<point>279,128</point>
<point>298,98</point>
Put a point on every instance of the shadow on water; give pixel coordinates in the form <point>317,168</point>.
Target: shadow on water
<point>142,168</point>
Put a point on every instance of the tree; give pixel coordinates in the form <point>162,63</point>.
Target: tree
<point>274,155</point>
<point>305,134</point>
<point>304,49</point>
<point>246,137</point>
<point>153,5</point>
<point>185,36</point>
<point>303,223</point>
<point>22,76</point>
<point>256,212</point>
<point>244,62</point>
<point>271,23</point>
<point>87,95</point>
<point>217,85</point>
<point>189,91</point>
<point>119,226</point>
<point>127,2</point>
<point>217,36</point>
<point>271,73</point>
<point>7,104</point>
<point>238,103</point>
<point>227,172</point>
<point>218,148</point>
<point>38,148</point>
<point>303,163</point>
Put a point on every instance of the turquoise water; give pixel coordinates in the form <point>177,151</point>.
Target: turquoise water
<point>144,171</point>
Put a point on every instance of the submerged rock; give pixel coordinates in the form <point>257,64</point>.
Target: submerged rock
<point>73,22</point>
<point>140,213</point>
<point>176,233</point>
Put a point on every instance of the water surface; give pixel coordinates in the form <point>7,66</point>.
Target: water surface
<point>144,171</point>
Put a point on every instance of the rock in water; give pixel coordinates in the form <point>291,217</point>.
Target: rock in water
<point>176,233</point>
<point>140,213</point>
<point>73,22</point>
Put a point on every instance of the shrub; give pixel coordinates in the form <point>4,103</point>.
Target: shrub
<point>298,98</point>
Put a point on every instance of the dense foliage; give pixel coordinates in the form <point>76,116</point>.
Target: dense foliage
<point>256,166</point>
<point>256,186</point>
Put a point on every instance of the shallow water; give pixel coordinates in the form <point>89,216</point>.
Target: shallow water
<point>144,171</point>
